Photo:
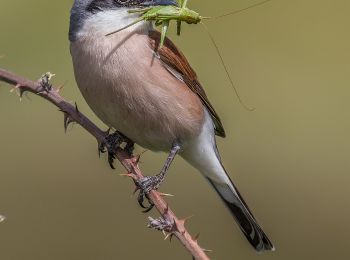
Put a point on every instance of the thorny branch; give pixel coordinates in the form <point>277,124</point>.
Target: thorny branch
<point>168,223</point>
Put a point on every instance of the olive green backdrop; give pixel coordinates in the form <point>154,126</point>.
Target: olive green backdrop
<point>290,157</point>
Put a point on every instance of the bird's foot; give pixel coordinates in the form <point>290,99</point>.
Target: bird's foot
<point>146,185</point>
<point>112,142</point>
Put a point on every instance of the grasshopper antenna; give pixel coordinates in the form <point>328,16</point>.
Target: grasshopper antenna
<point>125,27</point>
<point>227,72</point>
<point>239,11</point>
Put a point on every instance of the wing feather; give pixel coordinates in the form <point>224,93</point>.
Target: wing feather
<point>177,64</point>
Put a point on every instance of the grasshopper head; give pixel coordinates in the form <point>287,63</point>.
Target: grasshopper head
<point>191,17</point>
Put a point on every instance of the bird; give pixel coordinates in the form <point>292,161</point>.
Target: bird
<point>152,97</point>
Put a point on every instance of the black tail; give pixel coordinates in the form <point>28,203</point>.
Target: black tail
<point>245,219</point>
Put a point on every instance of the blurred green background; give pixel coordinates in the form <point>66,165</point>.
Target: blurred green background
<point>290,157</point>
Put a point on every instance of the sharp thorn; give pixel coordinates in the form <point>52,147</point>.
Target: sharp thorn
<point>21,92</point>
<point>99,149</point>
<point>195,238</point>
<point>175,227</point>
<point>170,235</point>
<point>15,88</point>
<point>76,107</point>
<point>165,194</point>
<point>59,88</point>
<point>2,218</point>
<point>183,221</point>
<point>137,158</point>
<point>207,250</point>
<point>107,132</point>
<point>67,121</point>
<point>130,175</point>
<point>166,211</point>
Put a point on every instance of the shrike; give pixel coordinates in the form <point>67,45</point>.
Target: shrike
<point>151,96</point>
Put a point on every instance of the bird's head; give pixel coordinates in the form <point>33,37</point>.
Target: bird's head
<point>82,10</point>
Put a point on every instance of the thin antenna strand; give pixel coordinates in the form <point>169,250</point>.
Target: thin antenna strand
<point>226,69</point>
<point>240,10</point>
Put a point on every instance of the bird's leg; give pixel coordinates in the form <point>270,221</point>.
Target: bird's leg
<point>112,141</point>
<point>150,183</point>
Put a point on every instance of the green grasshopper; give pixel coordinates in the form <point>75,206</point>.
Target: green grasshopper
<point>162,15</point>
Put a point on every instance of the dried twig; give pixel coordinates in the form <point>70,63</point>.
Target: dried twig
<point>168,222</point>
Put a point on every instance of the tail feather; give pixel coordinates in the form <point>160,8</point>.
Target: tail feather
<point>203,154</point>
<point>243,216</point>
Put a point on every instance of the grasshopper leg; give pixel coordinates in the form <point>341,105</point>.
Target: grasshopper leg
<point>127,26</point>
<point>164,32</point>
<point>178,27</point>
<point>141,10</point>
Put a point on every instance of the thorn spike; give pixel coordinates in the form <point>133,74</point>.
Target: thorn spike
<point>169,235</point>
<point>183,221</point>
<point>67,121</point>
<point>59,88</point>
<point>137,158</point>
<point>196,237</point>
<point>166,211</point>
<point>165,194</point>
<point>108,131</point>
<point>76,107</point>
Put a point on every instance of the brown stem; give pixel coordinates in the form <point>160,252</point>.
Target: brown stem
<point>130,163</point>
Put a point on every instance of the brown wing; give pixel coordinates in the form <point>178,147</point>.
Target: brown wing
<point>176,62</point>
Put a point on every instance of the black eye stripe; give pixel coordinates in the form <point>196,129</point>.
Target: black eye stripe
<point>99,5</point>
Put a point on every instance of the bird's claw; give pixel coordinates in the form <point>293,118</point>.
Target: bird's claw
<point>141,198</point>
<point>146,185</point>
<point>113,141</point>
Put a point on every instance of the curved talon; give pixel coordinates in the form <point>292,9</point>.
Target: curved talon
<point>140,199</point>
<point>149,208</point>
<point>111,158</point>
<point>149,183</point>
<point>146,185</point>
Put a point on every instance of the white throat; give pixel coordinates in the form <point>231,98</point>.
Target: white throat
<point>105,22</point>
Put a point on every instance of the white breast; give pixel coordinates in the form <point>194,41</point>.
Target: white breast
<point>128,88</point>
